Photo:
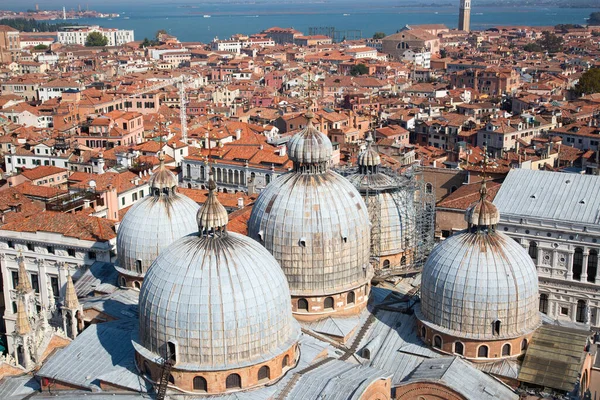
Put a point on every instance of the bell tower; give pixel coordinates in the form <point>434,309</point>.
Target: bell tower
<point>464,15</point>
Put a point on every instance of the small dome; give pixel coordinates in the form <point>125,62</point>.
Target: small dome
<point>482,213</point>
<point>309,146</point>
<point>369,157</point>
<point>162,178</point>
<point>212,216</point>
<point>150,225</point>
<point>475,278</point>
<point>220,298</point>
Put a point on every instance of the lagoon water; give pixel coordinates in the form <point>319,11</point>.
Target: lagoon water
<point>187,21</point>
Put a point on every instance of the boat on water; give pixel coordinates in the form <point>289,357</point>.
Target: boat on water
<point>206,16</point>
<point>345,15</point>
<point>125,17</point>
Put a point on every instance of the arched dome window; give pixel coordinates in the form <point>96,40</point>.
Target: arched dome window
<point>172,351</point>
<point>482,352</point>
<point>136,285</point>
<point>350,298</point>
<point>303,304</point>
<point>264,373</point>
<point>171,379</point>
<point>328,304</point>
<point>459,348</point>
<point>437,341</point>
<point>496,327</point>
<point>423,332</point>
<point>544,303</point>
<point>285,361</point>
<point>506,350</point>
<point>138,266</point>
<point>123,281</point>
<point>200,384</point>
<point>233,381</point>
<point>386,263</point>
<point>403,260</point>
<point>524,345</point>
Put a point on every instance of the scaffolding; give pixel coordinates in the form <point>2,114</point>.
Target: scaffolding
<point>415,209</point>
<point>336,35</point>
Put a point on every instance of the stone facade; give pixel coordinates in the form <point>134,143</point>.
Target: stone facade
<point>427,391</point>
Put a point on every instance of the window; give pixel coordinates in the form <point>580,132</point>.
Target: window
<point>134,196</point>
<point>54,286</point>
<point>459,348</point>
<point>138,266</point>
<point>264,373</point>
<point>15,278</point>
<point>506,350</point>
<point>581,311</point>
<point>524,345</point>
<point>171,351</point>
<point>577,264</point>
<point>285,362</point>
<point>303,304</point>
<point>437,342</point>
<point>35,283</point>
<point>200,384</point>
<point>50,249</point>
<point>429,188</point>
<point>30,247</point>
<point>496,327</point>
<point>403,260</point>
<point>71,252</point>
<point>11,244</point>
<point>328,303</point>
<point>122,201</point>
<point>350,298</point>
<point>171,379</point>
<point>91,255</point>
<point>233,381</point>
<point>136,285</point>
<point>423,332</point>
<point>544,303</point>
<point>386,263</point>
<point>592,267</point>
<point>482,352</point>
<point>564,310</point>
<point>533,250</point>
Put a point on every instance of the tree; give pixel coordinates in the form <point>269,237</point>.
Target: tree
<point>41,47</point>
<point>533,48</point>
<point>378,35</point>
<point>550,42</point>
<point>96,39</point>
<point>594,18</point>
<point>359,69</point>
<point>589,82</point>
<point>149,43</point>
<point>31,25</point>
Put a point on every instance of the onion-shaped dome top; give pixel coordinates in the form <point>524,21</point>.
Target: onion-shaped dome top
<point>310,149</point>
<point>162,179</point>
<point>482,213</point>
<point>369,157</point>
<point>317,226</point>
<point>219,298</point>
<point>152,224</point>
<point>212,216</point>
<point>480,284</point>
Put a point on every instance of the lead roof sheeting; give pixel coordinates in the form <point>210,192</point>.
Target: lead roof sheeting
<point>100,350</point>
<point>334,326</point>
<point>101,277</point>
<point>463,378</point>
<point>508,368</point>
<point>13,388</point>
<point>554,357</point>
<point>121,304</point>
<point>547,195</point>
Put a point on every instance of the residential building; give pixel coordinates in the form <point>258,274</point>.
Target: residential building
<point>78,35</point>
<point>10,45</point>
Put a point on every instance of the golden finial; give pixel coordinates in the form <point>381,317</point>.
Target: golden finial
<point>24,285</point>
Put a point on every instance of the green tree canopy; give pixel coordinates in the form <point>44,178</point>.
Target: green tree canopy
<point>149,43</point>
<point>359,69</point>
<point>550,42</point>
<point>378,35</point>
<point>41,47</point>
<point>31,25</point>
<point>96,39</point>
<point>589,82</point>
<point>594,18</point>
<point>533,48</point>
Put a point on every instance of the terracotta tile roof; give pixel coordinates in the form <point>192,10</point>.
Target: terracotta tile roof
<point>466,195</point>
<point>71,225</point>
<point>238,220</point>
<point>41,171</point>
<point>40,192</point>
<point>229,200</point>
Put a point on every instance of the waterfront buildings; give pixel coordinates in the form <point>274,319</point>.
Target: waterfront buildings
<point>78,35</point>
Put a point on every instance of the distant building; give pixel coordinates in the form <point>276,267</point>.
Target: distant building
<point>10,45</point>
<point>282,35</point>
<point>464,16</point>
<point>78,35</point>
<point>419,40</point>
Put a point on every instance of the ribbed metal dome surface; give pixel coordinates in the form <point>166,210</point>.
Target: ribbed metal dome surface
<point>317,227</point>
<point>474,278</point>
<point>309,146</point>
<point>369,157</point>
<point>223,300</point>
<point>152,224</point>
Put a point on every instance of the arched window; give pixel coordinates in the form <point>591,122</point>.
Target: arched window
<point>423,332</point>
<point>171,351</point>
<point>459,348</point>
<point>285,361</point>
<point>350,298</point>
<point>252,176</point>
<point>123,281</point>
<point>496,327</point>
<point>328,303</point>
<point>189,171</point>
<point>268,179</point>
<point>136,284</point>
<point>453,189</point>
<point>580,316</point>
<point>386,263</point>
<point>303,304</point>
<point>523,344</point>
<point>533,250</point>
<point>233,381</point>
<point>437,342</point>
<point>264,373</point>
<point>429,188</point>
<point>171,379</point>
<point>403,260</point>
<point>138,266</point>
<point>506,350</point>
<point>544,303</point>
<point>482,352</point>
<point>592,266</point>
<point>202,177</point>
<point>200,384</point>
<point>577,264</point>
<point>230,176</point>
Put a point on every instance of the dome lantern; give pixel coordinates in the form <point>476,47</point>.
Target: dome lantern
<point>482,214</point>
<point>369,160</point>
<point>212,217</point>
<point>163,181</point>
<point>310,150</point>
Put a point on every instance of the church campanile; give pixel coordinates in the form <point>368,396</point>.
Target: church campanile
<point>464,15</point>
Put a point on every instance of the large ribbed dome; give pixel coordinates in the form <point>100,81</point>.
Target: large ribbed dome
<point>220,297</point>
<point>315,224</point>
<point>478,277</point>
<point>152,224</point>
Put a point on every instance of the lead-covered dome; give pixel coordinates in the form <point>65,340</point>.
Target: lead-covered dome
<point>480,283</point>
<point>314,222</point>
<point>219,298</point>
<point>153,223</point>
